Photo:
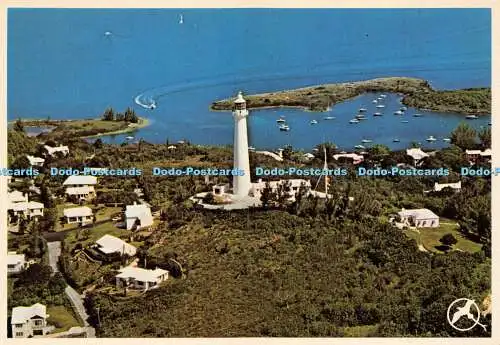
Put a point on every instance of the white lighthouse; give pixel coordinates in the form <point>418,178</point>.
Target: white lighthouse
<point>241,184</point>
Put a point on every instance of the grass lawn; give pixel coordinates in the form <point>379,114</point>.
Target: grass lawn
<point>61,317</point>
<point>429,237</point>
<point>94,233</point>
<point>360,331</point>
<point>103,213</point>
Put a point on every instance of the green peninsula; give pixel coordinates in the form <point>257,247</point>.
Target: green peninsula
<point>416,93</point>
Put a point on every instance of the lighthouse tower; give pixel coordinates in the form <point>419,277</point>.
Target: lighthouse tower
<point>241,184</point>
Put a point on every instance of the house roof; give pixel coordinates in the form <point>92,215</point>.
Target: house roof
<point>17,196</point>
<point>440,186</point>
<point>354,156</point>
<point>35,160</point>
<point>137,211</point>
<point>486,152</point>
<point>80,180</point>
<point>82,211</point>
<point>416,153</point>
<point>14,259</point>
<point>23,206</point>
<point>23,314</point>
<point>79,190</point>
<point>109,244</point>
<point>51,150</point>
<point>141,274</point>
<point>420,213</point>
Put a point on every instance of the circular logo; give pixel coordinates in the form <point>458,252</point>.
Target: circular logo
<point>464,309</point>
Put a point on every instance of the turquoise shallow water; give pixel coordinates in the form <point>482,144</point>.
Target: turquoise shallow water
<point>62,64</point>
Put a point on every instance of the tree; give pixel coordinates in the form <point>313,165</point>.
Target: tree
<point>448,240</point>
<point>129,115</point>
<point>464,136</point>
<point>109,114</point>
<point>485,137</point>
<point>98,143</point>
<point>267,196</point>
<point>18,126</point>
<point>287,152</point>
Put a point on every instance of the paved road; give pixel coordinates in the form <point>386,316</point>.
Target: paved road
<point>54,249</point>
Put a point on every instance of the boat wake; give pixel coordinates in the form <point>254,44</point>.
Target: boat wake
<point>150,103</point>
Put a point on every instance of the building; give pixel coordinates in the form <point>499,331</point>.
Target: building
<point>35,161</point>
<point>29,321</point>
<point>241,184</point>
<point>28,209</point>
<point>417,154</point>
<point>420,218</point>
<point>474,156</point>
<point>80,181</point>
<point>140,278</point>
<point>52,151</point>
<point>308,156</point>
<point>295,184</point>
<point>220,189</point>
<point>138,216</point>
<point>440,186</point>
<point>354,157</point>
<point>110,244</point>
<point>16,196</point>
<point>81,214</point>
<point>81,193</point>
<point>15,263</point>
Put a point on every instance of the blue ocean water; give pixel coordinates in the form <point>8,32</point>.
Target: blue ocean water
<point>73,63</point>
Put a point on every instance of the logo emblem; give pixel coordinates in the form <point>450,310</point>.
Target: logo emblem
<point>464,309</point>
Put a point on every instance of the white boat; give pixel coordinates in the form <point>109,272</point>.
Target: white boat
<point>152,106</point>
<point>431,138</point>
<point>375,101</point>
<point>404,121</point>
<point>280,120</point>
<point>359,147</point>
<point>251,148</point>
<point>398,112</point>
<point>417,115</point>
<point>471,117</point>
<point>377,114</point>
<point>181,19</point>
<point>284,128</point>
<point>360,116</point>
<point>313,122</point>
<point>380,106</point>
<point>396,140</point>
<point>383,96</point>
<point>329,118</point>
<point>366,141</point>
<point>129,137</point>
<point>354,121</point>
<point>403,108</point>
<point>362,110</point>
<point>446,140</point>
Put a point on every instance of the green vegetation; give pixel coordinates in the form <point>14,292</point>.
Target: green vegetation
<point>61,318</point>
<point>417,93</point>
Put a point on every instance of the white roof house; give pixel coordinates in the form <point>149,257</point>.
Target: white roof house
<point>439,186</point>
<point>15,262</point>
<point>421,217</point>
<point>80,180</point>
<point>83,190</point>
<point>354,156</point>
<point>23,314</point>
<point>258,187</point>
<point>29,321</point>
<point>416,153</point>
<point>26,206</point>
<point>138,212</point>
<point>485,153</point>
<point>110,244</point>
<point>53,150</point>
<point>17,196</point>
<point>35,161</point>
<point>82,211</point>
<point>140,278</point>
<point>308,155</point>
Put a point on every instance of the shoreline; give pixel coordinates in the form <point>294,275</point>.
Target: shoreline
<point>143,123</point>
<point>416,93</point>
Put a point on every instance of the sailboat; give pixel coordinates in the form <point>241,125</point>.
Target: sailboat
<point>181,19</point>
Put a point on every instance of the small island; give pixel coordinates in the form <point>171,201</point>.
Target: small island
<point>417,93</point>
<point>110,123</point>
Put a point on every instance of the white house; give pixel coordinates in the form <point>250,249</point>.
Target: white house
<point>15,262</point>
<point>421,217</point>
<point>417,154</point>
<point>440,186</point>
<point>140,278</point>
<point>258,187</point>
<point>220,189</point>
<point>17,196</point>
<point>308,156</point>
<point>81,214</point>
<point>29,321</point>
<point>35,161</point>
<point>29,209</point>
<point>110,244</point>
<point>139,215</point>
<point>51,151</point>
<point>474,155</point>
<point>80,181</point>
<point>356,159</point>
<point>84,192</point>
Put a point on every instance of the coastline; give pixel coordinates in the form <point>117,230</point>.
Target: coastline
<point>143,122</point>
<point>416,93</point>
